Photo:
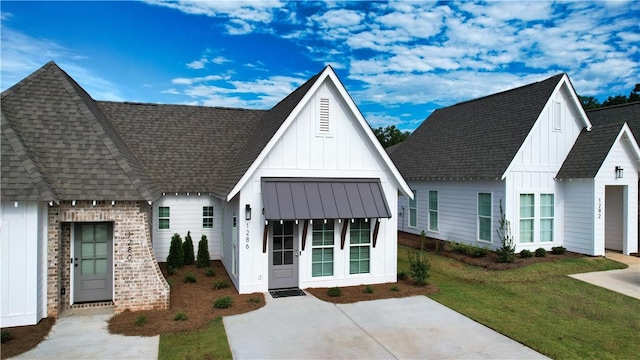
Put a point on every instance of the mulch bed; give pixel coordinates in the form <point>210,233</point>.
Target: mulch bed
<point>351,294</point>
<point>488,262</point>
<point>194,299</point>
<point>24,338</point>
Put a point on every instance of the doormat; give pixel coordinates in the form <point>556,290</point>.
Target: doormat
<point>286,293</point>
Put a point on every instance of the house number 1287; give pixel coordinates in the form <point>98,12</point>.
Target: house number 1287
<point>246,239</point>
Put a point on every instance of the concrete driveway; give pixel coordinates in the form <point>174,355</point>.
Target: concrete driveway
<point>305,327</point>
<point>625,281</point>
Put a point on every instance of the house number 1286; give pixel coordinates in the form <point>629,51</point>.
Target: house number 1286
<point>246,239</point>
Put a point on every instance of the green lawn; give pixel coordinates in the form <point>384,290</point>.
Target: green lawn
<point>209,343</point>
<point>541,307</point>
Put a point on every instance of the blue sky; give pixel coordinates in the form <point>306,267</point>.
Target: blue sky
<point>398,60</point>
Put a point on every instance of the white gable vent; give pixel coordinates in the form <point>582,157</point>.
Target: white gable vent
<point>323,126</point>
<point>557,115</point>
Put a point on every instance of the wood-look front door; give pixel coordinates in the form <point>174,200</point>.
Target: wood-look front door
<point>283,256</point>
<point>93,262</point>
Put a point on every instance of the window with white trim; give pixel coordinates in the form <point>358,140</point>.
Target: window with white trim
<point>207,217</point>
<point>527,217</point>
<point>359,247</point>
<point>163,218</point>
<point>433,210</point>
<point>413,210</point>
<point>547,213</point>
<point>322,240</point>
<point>484,217</point>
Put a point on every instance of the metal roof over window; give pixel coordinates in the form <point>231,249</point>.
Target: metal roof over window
<point>303,198</point>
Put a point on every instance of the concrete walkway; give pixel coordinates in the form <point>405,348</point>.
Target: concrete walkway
<point>625,281</point>
<point>305,327</point>
<point>84,335</point>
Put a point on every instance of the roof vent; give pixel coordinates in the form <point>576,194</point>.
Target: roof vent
<point>324,117</point>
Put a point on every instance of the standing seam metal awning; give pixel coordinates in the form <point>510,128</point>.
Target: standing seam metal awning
<point>301,199</point>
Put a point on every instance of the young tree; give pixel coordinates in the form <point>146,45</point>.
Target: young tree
<point>203,253</point>
<point>189,258</point>
<point>175,260</point>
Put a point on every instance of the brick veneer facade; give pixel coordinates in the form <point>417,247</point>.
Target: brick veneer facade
<point>138,283</point>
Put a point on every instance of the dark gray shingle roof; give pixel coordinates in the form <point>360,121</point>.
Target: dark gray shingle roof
<point>474,139</point>
<point>618,114</point>
<point>65,144</point>
<point>589,152</point>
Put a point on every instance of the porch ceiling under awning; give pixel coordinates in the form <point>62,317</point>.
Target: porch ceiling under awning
<point>301,199</point>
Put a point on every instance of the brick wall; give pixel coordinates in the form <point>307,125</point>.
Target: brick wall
<point>138,283</point>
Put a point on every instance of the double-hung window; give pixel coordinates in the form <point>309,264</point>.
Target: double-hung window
<point>484,216</point>
<point>207,217</point>
<point>433,210</point>
<point>546,217</point>
<point>527,217</point>
<point>163,217</point>
<point>360,247</point>
<point>413,210</point>
<point>322,248</point>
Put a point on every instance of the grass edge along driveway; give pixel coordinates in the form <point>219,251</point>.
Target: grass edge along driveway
<point>541,307</point>
<point>538,305</point>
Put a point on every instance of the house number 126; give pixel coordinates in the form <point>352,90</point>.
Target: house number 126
<point>246,239</point>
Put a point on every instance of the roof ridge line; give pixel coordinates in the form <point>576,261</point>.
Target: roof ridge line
<point>28,79</point>
<point>614,106</point>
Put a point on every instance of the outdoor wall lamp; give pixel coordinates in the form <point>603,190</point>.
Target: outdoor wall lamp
<point>619,172</point>
<point>247,212</point>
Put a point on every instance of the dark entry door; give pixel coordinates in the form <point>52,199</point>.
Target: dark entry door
<point>283,260</point>
<point>93,262</point>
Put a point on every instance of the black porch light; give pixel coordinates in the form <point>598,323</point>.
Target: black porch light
<point>619,172</point>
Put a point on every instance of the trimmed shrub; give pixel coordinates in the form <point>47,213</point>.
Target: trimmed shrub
<point>204,260</point>
<point>180,316</point>
<point>478,252</point>
<point>140,320</point>
<point>223,302</point>
<point>189,258</point>
<point>190,278</point>
<point>394,288</point>
<point>558,250</point>
<point>525,254</point>
<point>460,248</point>
<point>175,259</point>
<point>334,292</point>
<point>220,284</point>
<point>5,335</point>
<point>209,272</point>
<point>254,300</point>
<point>402,275</point>
<point>541,252</point>
<point>368,290</point>
<point>419,264</point>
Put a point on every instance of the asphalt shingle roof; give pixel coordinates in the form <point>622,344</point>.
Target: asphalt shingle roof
<point>618,114</point>
<point>65,144</point>
<point>475,139</point>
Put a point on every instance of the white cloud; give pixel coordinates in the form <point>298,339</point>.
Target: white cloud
<point>198,64</point>
<point>195,80</point>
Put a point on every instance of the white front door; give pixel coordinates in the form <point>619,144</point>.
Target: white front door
<point>92,262</point>
<point>283,256</point>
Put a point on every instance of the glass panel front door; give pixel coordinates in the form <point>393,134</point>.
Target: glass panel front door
<point>284,258</point>
<point>92,262</point>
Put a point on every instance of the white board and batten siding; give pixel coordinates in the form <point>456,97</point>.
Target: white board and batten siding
<point>579,215</point>
<point>185,214</point>
<point>23,249</point>
<point>457,210</point>
<point>312,147</point>
<point>621,155</point>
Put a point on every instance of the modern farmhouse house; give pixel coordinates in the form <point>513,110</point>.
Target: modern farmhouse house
<point>301,195</point>
<point>533,151</point>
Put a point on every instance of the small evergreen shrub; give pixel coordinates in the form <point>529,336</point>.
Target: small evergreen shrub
<point>220,284</point>
<point>171,270</point>
<point>394,288</point>
<point>187,246</point>
<point>334,292</point>
<point>176,253</point>
<point>558,250</point>
<point>541,252</point>
<point>368,290</point>
<point>204,260</point>
<point>478,252</point>
<point>525,254</point>
<point>254,300</point>
<point>140,320</point>
<point>402,275</point>
<point>190,278</point>
<point>5,335</point>
<point>209,272</point>
<point>419,264</point>
<point>460,248</point>
<point>223,302</point>
<point>180,316</point>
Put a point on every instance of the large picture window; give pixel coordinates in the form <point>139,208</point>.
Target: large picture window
<point>163,218</point>
<point>484,217</point>
<point>413,210</point>
<point>360,247</point>
<point>546,217</point>
<point>527,216</point>
<point>433,210</point>
<point>322,248</point>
